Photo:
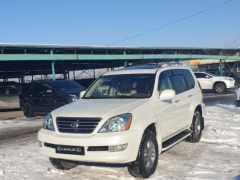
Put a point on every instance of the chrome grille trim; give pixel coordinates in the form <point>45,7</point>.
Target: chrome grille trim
<point>80,125</point>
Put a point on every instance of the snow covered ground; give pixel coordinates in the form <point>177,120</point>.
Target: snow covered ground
<point>19,126</point>
<point>217,156</point>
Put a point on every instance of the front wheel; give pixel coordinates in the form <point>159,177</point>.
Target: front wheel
<point>62,164</point>
<point>28,109</point>
<point>196,127</point>
<point>146,162</point>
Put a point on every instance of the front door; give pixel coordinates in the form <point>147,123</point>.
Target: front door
<point>166,111</point>
<point>42,98</point>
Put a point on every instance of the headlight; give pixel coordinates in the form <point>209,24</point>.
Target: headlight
<point>48,123</point>
<point>73,98</point>
<point>117,123</point>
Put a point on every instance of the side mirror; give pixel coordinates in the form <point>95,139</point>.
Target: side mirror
<point>82,94</point>
<point>207,77</point>
<point>167,94</point>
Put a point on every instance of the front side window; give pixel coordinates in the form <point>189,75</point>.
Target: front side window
<point>122,86</point>
<point>165,81</point>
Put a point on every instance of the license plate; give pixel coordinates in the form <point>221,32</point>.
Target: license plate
<point>76,150</point>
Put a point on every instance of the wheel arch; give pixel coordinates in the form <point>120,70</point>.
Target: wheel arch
<point>156,130</point>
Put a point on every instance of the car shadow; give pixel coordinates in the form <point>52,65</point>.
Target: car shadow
<point>102,164</point>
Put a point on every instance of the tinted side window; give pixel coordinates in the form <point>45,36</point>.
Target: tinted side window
<point>189,79</point>
<point>40,88</point>
<point>179,83</point>
<point>165,81</point>
<point>200,75</point>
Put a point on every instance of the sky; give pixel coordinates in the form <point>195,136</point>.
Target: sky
<point>106,22</point>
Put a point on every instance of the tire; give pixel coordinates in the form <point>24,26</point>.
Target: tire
<point>28,109</point>
<point>196,127</point>
<point>146,162</point>
<point>219,87</point>
<point>62,164</point>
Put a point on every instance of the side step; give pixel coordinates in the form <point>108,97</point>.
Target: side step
<point>175,139</point>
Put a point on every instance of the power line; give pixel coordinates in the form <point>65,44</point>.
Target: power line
<point>232,42</point>
<point>171,23</point>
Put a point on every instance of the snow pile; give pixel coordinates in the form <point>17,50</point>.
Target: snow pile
<point>19,126</point>
<point>222,125</point>
<point>19,123</point>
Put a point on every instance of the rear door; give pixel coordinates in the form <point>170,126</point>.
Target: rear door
<point>182,100</point>
<point>192,93</point>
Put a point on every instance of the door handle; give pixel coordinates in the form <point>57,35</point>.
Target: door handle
<point>176,101</point>
<point>189,96</point>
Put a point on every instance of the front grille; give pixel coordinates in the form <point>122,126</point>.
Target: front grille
<point>77,124</point>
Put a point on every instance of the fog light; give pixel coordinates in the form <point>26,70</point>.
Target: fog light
<point>120,147</point>
<point>39,143</point>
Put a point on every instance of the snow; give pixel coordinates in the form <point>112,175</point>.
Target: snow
<point>19,126</point>
<point>217,156</point>
<point>223,124</point>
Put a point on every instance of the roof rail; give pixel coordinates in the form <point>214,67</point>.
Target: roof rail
<point>152,65</point>
<point>170,64</point>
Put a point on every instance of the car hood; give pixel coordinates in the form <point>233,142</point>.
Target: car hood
<point>103,108</point>
<point>70,93</point>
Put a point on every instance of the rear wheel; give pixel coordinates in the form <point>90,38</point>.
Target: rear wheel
<point>62,164</point>
<point>196,128</point>
<point>146,162</point>
<point>27,109</point>
<point>219,87</point>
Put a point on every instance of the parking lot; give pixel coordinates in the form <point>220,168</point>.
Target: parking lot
<point>217,156</point>
<point>108,90</point>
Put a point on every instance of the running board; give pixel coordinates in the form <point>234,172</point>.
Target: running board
<point>175,139</point>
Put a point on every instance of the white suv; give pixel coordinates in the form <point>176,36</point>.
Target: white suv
<point>219,84</point>
<point>127,116</point>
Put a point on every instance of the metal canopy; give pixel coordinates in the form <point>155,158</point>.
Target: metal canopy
<point>26,59</point>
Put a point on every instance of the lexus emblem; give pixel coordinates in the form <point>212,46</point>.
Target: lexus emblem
<point>75,125</point>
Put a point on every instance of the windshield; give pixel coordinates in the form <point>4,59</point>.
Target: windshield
<point>122,86</point>
<point>66,86</point>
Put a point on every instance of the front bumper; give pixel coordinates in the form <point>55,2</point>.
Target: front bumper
<point>99,139</point>
<point>231,85</point>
